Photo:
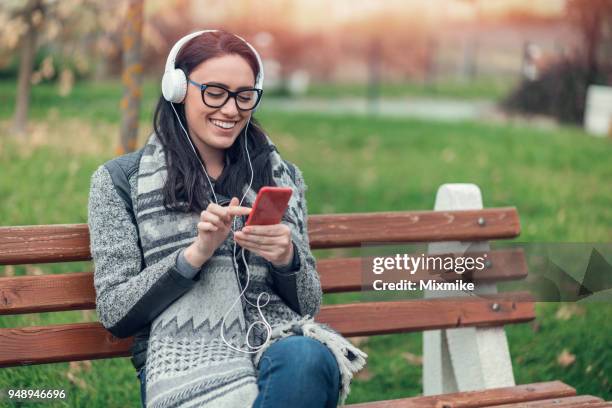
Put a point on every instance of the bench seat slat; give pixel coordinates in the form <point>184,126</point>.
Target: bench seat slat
<point>85,341</point>
<point>75,291</point>
<point>473,399</point>
<point>70,242</point>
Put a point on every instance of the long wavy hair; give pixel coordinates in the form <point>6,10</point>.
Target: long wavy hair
<point>186,188</point>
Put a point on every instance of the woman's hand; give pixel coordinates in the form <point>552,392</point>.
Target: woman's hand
<point>215,223</point>
<point>272,242</point>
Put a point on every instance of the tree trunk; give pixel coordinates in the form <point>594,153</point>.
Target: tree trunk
<point>132,77</point>
<point>592,33</point>
<point>26,66</point>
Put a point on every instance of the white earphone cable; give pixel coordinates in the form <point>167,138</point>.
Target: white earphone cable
<point>258,305</point>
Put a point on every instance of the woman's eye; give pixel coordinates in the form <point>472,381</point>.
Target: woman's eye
<point>244,98</point>
<point>214,94</point>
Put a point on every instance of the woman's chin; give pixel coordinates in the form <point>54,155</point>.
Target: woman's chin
<point>221,137</point>
<point>223,142</point>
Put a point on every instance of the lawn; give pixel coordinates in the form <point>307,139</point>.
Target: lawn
<point>480,88</point>
<point>557,179</point>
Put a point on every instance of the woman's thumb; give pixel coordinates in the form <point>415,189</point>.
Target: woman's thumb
<point>234,202</point>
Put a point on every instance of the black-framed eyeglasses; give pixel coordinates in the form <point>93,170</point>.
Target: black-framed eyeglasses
<point>215,96</point>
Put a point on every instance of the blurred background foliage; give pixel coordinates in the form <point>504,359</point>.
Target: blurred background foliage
<point>444,47</point>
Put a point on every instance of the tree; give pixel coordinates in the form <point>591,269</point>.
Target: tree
<point>561,88</point>
<point>594,20</point>
<point>32,15</point>
<point>68,26</point>
<point>132,77</point>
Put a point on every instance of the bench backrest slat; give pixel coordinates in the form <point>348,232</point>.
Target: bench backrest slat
<point>32,244</point>
<point>75,291</point>
<point>347,274</point>
<point>354,230</point>
<point>47,293</point>
<point>85,341</point>
<point>70,242</point>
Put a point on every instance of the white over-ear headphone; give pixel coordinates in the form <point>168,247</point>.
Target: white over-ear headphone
<point>174,81</point>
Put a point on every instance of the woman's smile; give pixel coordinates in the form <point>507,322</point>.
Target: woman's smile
<point>223,127</point>
<point>223,124</point>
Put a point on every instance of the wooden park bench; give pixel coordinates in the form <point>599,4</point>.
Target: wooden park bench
<point>466,361</point>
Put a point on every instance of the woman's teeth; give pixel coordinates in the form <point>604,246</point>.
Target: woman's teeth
<point>222,124</point>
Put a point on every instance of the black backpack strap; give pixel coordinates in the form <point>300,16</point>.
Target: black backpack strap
<point>121,169</point>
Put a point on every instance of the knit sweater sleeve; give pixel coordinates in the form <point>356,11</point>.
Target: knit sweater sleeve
<point>127,297</point>
<point>300,288</point>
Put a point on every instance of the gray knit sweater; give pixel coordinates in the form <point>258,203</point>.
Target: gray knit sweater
<point>122,289</point>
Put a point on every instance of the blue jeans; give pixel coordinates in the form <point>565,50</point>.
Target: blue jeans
<point>143,385</point>
<point>295,371</point>
<point>298,371</point>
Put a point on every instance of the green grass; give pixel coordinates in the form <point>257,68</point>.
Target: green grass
<point>558,180</point>
<point>482,88</point>
<point>98,101</point>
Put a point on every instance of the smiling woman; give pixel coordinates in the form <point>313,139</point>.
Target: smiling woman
<point>167,272</point>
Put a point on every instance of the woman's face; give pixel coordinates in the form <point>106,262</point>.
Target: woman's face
<point>214,129</point>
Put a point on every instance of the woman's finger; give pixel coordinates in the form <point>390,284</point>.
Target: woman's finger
<point>253,247</point>
<point>219,211</point>
<point>214,208</point>
<point>267,230</point>
<point>213,219</point>
<point>207,226</point>
<point>238,210</point>
<point>262,241</point>
<point>264,253</point>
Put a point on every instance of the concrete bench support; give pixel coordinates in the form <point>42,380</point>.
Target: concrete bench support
<point>463,359</point>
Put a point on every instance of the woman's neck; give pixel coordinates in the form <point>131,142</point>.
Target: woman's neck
<point>214,165</point>
<point>215,171</point>
<point>214,159</point>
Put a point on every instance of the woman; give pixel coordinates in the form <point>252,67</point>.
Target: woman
<point>221,315</point>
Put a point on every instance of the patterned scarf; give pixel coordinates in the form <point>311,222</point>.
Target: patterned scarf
<point>188,364</point>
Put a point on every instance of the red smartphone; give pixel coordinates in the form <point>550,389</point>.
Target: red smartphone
<point>270,205</point>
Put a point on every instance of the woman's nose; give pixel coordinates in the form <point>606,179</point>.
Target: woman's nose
<point>230,109</point>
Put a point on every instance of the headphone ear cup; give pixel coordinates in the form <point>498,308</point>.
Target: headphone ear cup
<point>174,85</point>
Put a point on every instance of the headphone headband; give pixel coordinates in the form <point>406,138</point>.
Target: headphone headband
<point>170,62</point>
